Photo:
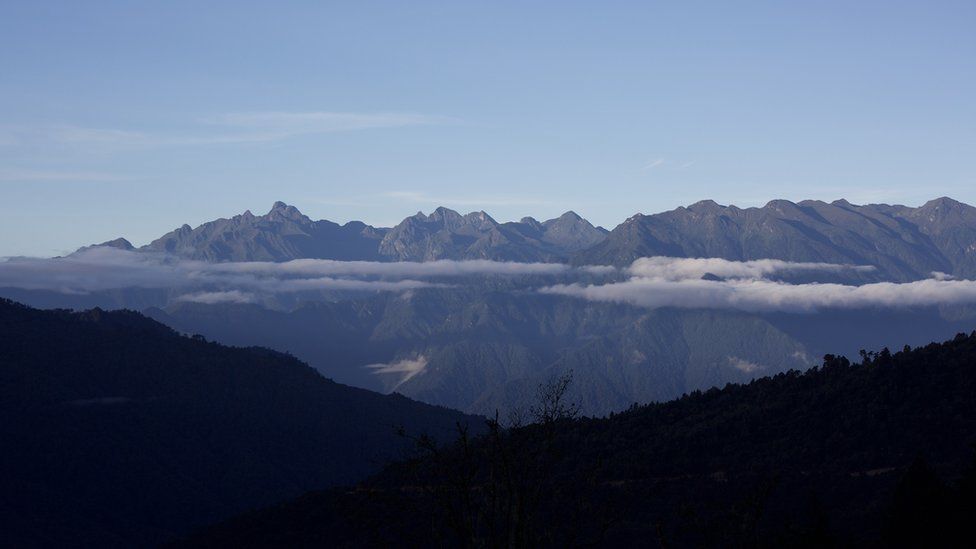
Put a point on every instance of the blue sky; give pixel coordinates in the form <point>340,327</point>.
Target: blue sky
<point>131,118</point>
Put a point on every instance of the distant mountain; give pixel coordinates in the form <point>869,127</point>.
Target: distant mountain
<point>903,243</point>
<point>877,454</point>
<point>446,234</point>
<point>478,349</point>
<point>284,233</point>
<point>118,243</point>
<point>119,432</point>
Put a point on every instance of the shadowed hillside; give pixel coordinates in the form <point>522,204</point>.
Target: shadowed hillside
<point>119,432</point>
<point>874,453</point>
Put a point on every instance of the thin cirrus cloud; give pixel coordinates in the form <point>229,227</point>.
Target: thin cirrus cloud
<point>227,128</point>
<point>424,198</point>
<point>41,176</point>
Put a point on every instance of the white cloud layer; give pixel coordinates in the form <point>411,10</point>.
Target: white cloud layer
<point>653,282</point>
<point>210,298</point>
<point>104,268</point>
<point>674,268</point>
<point>676,282</point>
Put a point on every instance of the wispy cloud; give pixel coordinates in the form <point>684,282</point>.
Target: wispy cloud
<point>296,123</point>
<point>397,269</point>
<point>30,176</point>
<point>744,365</point>
<point>664,163</point>
<point>227,128</point>
<point>405,369</point>
<point>473,201</point>
<point>210,298</point>
<point>653,163</point>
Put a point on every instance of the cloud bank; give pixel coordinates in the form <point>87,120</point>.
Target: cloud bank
<point>673,268</point>
<point>104,268</point>
<point>676,282</point>
<point>649,282</point>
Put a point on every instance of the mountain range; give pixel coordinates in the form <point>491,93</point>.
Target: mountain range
<point>903,243</point>
<point>485,344</point>
<point>480,349</point>
<point>285,233</point>
<point>121,431</point>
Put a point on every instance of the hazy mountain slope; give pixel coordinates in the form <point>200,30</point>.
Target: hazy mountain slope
<point>466,348</point>
<point>119,432</point>
<point>904,243</point>
<point>951,226</point>
<point>660,356</point>
<point>843,455</point>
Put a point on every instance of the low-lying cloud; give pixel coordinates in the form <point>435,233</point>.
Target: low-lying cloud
<point>104,268</point>
<point>649,282</point>
<point>404,369</point>
<point>677,282</point>
<point>210,298</point>
<point>398,269</point>
<point>744,365</point>
<point>674,268</point>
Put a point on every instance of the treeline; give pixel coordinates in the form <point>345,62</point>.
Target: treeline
<point>874,453</point>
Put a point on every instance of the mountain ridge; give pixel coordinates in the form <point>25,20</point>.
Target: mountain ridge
<point>120,432</point>
<point>904,243</point>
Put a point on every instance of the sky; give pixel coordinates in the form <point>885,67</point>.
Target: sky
<point>132,118</point>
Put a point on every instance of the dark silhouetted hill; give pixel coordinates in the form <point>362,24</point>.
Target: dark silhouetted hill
<point>872,454</point>
<point>117,431</point>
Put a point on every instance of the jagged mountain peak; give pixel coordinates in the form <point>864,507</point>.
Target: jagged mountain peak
<point>706,206</point>
<point>118,243</point>
<point>943,203</point>
<point>281,211</point>
<point>567,217</point>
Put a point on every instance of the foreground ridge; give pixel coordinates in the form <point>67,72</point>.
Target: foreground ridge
<point>844,453</point>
